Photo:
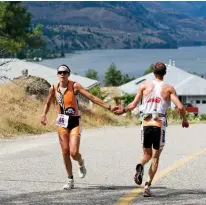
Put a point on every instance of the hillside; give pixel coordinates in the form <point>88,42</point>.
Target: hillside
<point>191,8</point>
<point>102,25</point>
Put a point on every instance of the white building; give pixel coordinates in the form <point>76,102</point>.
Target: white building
<point>190,88</point>
<point>14,69</point>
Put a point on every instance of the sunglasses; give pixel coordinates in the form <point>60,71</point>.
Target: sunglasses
<point>63,72</point>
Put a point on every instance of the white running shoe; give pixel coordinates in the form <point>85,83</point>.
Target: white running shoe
<point>82,170</point>
<point>147,190</point>
<point>69,185</point>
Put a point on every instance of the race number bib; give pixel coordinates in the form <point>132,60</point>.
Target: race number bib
<point>62,120</point>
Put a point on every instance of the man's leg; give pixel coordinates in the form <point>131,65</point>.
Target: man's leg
<point>152,172</point>
<point>146,139</point>
<point>158,144</point>
<point>146,135</point>
<point>158,136</point>
<point>154,164</point>
<point>147,155</point>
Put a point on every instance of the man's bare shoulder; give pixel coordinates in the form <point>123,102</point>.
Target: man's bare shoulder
<point>169,87</point>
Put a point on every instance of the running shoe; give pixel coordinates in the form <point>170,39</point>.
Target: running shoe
<point>69,185</point>
<point>82,170</point>
<point>147,190</point>
<point>139,174</point>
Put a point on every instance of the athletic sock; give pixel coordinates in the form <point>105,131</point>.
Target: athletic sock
<point>147,184</point>
<point>70,177</point>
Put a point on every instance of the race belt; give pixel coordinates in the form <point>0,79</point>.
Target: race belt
<point>149,115</point>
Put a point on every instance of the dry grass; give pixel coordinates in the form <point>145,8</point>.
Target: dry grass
<point>21,114</point>
<point>98,117</point>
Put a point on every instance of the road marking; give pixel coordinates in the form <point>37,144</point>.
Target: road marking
<point>132,195</point>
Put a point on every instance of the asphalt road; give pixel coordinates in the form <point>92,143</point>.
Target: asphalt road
<point>32,170</point>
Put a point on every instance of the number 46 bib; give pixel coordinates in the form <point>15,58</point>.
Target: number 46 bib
<point>62,120</point>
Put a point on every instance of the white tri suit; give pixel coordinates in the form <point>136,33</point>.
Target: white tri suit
<point>154,118</point>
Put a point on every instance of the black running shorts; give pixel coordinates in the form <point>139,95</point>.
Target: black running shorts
<point>153,133</point>
<point>151,136</point>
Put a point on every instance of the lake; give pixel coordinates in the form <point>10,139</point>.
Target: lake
<point>132,61</point>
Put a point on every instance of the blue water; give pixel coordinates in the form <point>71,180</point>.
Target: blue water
<point>132,61</point>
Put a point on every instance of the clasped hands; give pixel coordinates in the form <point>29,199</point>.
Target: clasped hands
<point>118,110</point>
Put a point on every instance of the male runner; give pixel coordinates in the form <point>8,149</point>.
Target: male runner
<point>157,96</point>
<point>68,119</point>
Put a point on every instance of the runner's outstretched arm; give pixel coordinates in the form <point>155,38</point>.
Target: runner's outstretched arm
<point>118,110</point>
<point>47,106</point>
<point>136,100</point>
<point>79,89</point>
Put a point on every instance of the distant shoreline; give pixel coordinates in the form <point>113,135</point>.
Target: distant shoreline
<point>110,49</point>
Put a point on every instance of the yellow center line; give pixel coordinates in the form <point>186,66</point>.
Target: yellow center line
<point>132,195</point>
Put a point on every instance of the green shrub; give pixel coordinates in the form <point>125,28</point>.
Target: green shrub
<point>203,117</point>
<point>193,118</point>
<point>128,98</point>
<point>96,91</point>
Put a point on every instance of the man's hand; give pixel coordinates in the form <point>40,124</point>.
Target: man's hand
<point>185,123</point>
<point>43,119</point>
<point>114,108</point>
<point>118,110</point>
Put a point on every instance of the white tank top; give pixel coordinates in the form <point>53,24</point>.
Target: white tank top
<point>154,101</point>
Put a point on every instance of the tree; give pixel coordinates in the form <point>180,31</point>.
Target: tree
<point>126,79</point>
<point>16,31</point>
<point>92,74</point>
<point>148,70</point>
<point>113,77</point>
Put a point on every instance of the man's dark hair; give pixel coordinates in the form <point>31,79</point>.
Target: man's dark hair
<point>66,66</point>
<point>159,69</point>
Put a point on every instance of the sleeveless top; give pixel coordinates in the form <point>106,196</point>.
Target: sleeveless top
<point>67,102</point>
<point>154,101</point>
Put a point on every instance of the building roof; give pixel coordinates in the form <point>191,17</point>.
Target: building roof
<point>184,83</point>
<point>15,67</point>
